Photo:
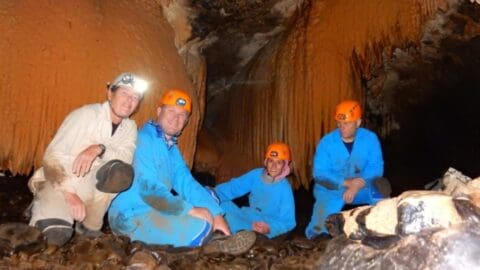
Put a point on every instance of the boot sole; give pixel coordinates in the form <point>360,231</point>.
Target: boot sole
<point>236,244</point>
<point>117,177</point>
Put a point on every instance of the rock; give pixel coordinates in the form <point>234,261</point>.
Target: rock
<point>302,243</point>
<point>16,237</point>
<point>418,212</point>
<point>453,248</point>
<point>411,212</point>
<point>454,181</point>
<point>5,248</point>
<point>182,254</point>
<point>142,260</point>
<point>416,230</point>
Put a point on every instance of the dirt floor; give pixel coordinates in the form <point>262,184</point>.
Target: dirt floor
<point>22,247</point>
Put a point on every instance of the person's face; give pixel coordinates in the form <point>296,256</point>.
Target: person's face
<point>275,166</point>
<point>348,129</point>
<point>172,119</point>
<point>123,103</point>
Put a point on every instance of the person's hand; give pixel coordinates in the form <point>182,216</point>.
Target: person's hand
<point>352,185</point>
<point>219,224</point>
<point>83,162</point>
<point>350,194</point>
<point>261,227</point>
<point>201,213</point>
<point>356,183</point>
<point>75,205</point>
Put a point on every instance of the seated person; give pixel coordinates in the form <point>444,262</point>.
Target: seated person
<point>271,208</point>
<point>347,168</point>
<point>165,204</point>
<point>86,164</point>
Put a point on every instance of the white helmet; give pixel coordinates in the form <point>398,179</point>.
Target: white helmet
<point>130,80</point>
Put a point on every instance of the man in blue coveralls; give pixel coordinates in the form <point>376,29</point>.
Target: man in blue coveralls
<point>347,168</point>
<point>165,204</point>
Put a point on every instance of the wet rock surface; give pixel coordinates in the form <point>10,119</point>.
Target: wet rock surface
<point>430,230</point>
<point>454,248</point>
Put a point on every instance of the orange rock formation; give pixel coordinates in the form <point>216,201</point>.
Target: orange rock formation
<point>58,55</point>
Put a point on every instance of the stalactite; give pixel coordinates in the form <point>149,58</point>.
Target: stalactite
<point>58,55</point>
<point>309,70</point>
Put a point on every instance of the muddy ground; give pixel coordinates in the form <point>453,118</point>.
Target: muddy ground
<point>25,248</point>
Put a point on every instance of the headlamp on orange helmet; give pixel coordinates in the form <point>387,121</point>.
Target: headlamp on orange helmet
<point>177,97</point>
<point>278,151</point>
<point>348,111</point>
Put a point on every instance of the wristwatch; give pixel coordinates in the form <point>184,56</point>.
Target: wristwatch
<point>103,148</point>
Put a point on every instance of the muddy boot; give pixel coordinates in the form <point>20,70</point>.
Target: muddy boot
<point>57,231</point>
<point>235,244</point>
<point>383,186</point>
<point>82,230</point>
<point>115,176</point>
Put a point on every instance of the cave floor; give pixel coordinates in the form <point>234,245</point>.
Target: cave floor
<point>290,251</point>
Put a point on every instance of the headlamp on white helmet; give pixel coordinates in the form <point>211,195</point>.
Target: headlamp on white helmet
<point>130,80</point>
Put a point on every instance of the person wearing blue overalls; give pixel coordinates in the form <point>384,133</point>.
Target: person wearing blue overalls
<point>347,168</point>
<point>165,204</point>
<point>271,209</point>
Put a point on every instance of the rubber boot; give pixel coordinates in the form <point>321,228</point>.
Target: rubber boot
<point>82,230</point>
<point>114,177</point>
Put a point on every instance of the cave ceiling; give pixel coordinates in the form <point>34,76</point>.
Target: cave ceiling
<point>237,30</point>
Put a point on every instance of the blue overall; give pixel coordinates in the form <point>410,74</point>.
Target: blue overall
<point>149,211</point>
<point>270,202</point>
<point>333,164</point>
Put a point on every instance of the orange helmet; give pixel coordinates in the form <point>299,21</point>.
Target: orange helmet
<point>278,151</point>
<point>177,97</point>
<point>348,111</point>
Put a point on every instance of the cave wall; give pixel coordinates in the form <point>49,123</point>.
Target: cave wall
<point>289,92</point>
<point>58,55</point>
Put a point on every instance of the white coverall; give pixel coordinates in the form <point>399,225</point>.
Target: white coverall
<point>86,126</point>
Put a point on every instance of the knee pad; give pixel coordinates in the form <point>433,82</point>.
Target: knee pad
<point>114,176</point>
<point>57,231</point>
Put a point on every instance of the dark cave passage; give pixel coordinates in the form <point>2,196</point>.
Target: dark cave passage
<point>437,107</point>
